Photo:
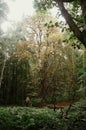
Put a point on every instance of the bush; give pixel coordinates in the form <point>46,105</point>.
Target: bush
<point>23,118</point>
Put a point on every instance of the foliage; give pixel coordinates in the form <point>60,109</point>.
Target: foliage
<point>35,62</point>
<point>27,118</point>
<point>22,118</point>
<point>73,12</point>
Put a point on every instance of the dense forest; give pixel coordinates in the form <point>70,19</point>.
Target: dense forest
<point>43,66</point>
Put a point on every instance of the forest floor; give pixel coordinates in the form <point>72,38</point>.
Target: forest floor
<point>57,105</point>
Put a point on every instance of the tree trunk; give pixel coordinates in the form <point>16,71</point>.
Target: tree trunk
<point>2,72</point>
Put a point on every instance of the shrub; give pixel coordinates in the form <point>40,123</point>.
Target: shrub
<point>24,118</point>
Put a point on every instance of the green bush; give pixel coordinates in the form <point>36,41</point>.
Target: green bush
<point>23,118</point>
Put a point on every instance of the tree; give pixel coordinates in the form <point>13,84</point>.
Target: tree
<point>82,71</point>
<point>3,9</point>
<point>80,6</point>
<point>3,12</point>
<point>9,65</point>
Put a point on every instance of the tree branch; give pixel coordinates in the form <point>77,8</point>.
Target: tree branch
<point>71,23</point>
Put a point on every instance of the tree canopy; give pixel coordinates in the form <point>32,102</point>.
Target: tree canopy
<point>74,12</point>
